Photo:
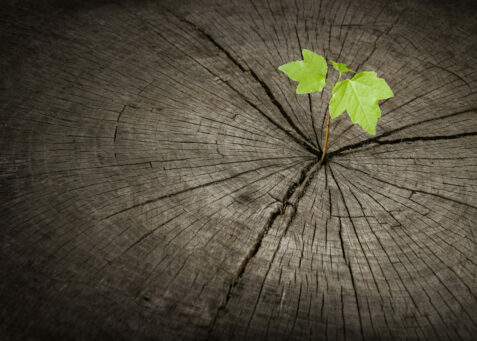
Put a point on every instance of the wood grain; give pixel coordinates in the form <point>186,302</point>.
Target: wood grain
<point>160,179</point>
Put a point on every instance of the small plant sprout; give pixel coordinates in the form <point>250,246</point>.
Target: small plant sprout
<point>359,95</point>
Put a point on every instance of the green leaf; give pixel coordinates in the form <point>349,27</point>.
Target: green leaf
<point>359,97</point>
<point>310,72</point>
<point>341,68</point>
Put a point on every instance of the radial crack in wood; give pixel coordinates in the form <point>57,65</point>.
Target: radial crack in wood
<point>160,177</point>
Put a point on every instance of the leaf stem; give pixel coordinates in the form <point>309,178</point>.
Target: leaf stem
<point>327,81</point>
<point>326,139</point>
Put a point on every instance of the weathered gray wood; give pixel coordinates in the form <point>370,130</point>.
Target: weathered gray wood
<point>159,176</point>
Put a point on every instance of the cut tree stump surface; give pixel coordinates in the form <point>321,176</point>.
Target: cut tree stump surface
<point>160,179</point>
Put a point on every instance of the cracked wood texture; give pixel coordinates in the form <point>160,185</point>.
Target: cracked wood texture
<point>159,175</point>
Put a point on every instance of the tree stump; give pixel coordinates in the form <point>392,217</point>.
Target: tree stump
<point>160,177</point>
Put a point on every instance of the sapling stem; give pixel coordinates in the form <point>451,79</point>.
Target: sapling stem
<point>358,96</point>
<point>325,146</point>
<point>326,139</point>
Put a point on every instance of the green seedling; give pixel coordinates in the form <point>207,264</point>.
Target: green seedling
<point>359,95</point>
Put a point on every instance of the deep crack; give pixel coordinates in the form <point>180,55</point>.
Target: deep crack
<point>396,141</point>
<point>308,142</point>
<point>306,175</point>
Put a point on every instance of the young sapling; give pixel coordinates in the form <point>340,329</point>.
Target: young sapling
<point>359,95</point>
